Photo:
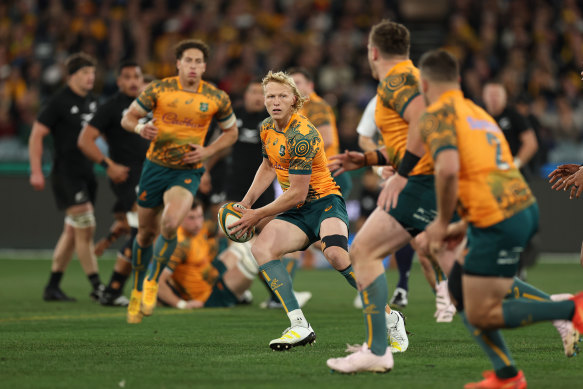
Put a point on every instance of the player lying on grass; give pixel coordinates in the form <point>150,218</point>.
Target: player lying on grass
<point>195,277</point>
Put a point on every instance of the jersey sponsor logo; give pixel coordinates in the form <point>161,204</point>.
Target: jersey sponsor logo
<point>282,150</point>
<point>328,208</point>
<point>74,110</point>
<point>484,125</point>
<point>172,118</point>
<point>204,107</point>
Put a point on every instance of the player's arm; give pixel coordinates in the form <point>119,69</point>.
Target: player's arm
<point>166,294</point>
<point>35,152</point>
<point>202,153</point>
<point>528,148</point>
<point>446,184</point>
<point>87,143</point>
<point>263,179</point>
<point>131,122</point>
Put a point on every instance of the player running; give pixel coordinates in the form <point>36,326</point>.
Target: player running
<point>183,107</point>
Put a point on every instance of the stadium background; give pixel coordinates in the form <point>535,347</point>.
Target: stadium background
<point>534,46</point>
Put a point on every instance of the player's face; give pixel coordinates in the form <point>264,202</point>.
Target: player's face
<point>130,81</point>
<point>84,78</point>
<point>191,66</point>
<point>279,100</point>
<point>193,221</point>
<point>303,84</point>
<point>254,98</point>
<point>494,96</point>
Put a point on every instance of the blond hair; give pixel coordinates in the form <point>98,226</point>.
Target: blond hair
<point>285,79</point>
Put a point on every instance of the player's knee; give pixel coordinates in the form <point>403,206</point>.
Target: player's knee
<point>169,226</point>
<point>454,285</point>
<point>81,220</point>
<point>335,249</point>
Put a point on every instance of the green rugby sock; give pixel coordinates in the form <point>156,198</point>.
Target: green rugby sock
<point>495,348</point>
<point>521,312</point>
<point>374,297</point>
<point>291,265</point>
<point>141,257</point>
<point>439,274</point>
<point>280,282</point>
<point>348,273</point>
<point>163,249</point>
<point>521,289</point>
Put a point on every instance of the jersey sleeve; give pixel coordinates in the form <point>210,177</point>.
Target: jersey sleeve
<point>438,130</point>
<point>262,135</point>
<point>50,114</point>
<point>225,115</point>
<point>319,114</point>
<point>148,98</point>
<point>102,118</point>
<point>367,125</point>
<point>398,90</point>
<point>179,255</point>
<point>303,147</point>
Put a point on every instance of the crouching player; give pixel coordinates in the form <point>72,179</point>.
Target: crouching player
<point>196,278</point>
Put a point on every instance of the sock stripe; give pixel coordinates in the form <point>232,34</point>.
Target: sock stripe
<point>136,276</point>
<point>352,275</point>
<point>157,270</point>
<point>281,300</point>
<point>365,297</point>
<point>497,350</point>
<point>163,248</point>
<point>290,266</point>
<point>533,297</point>
<point>139,256</point>
<point>265,276</point>
<point>369,324</point>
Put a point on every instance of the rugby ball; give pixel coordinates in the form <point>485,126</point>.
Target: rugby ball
<point>228,214</point>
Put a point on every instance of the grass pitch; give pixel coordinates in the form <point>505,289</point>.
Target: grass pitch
<point>85,345</point>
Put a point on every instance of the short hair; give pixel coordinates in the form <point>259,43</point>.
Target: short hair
<point>184,45</point>
<point>301,70</point>
<point>391,38</point>
<point>128,63</point>
<point>285,79</point>
<point>77,61</point>
<point>196,202</point>
<point>439,66</point>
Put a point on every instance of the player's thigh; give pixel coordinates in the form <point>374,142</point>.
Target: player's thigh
<point>277,238</point>
<point>380,235</point>
<point>177,202</point>
<point>333,226</point>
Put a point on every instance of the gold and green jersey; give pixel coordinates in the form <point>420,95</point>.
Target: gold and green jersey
<point>491,188</point>
<point>394,93</point>
<point>183,118</point>
<point>298,149</point>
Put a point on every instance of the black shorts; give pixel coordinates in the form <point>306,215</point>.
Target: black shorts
<point>126,192</point>
<point>73,189</point>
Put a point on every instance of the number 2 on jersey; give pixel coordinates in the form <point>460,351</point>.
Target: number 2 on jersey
<point>494,141</point>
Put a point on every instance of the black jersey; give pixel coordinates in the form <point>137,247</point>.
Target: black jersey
<point>246,152</point>
<point>65,114</point>
<point>126,148</point>
<point>512,124</point>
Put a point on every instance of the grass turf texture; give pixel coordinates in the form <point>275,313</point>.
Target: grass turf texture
<point>85,345</point>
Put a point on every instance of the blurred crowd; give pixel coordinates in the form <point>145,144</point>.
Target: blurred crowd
<point>533,46</point>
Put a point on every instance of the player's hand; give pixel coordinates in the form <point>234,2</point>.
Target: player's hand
<point>456,232</point>
<point>350,160</point>
<point>249,219</point>
<point>385,172</point>
<point>436,234</point>
<point>560,173</point>
<point>194,304</point>
<point>205,185</point>
<point>117,173</point>
<point>390,193</point>
<point>150,131</point>
<point>37,181</point>
<point>198,154</point>
<point>575,182</point>
<point>101,246</point>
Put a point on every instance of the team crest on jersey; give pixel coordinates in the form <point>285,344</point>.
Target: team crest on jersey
<point>282,150</point>
<point>204,107</point>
